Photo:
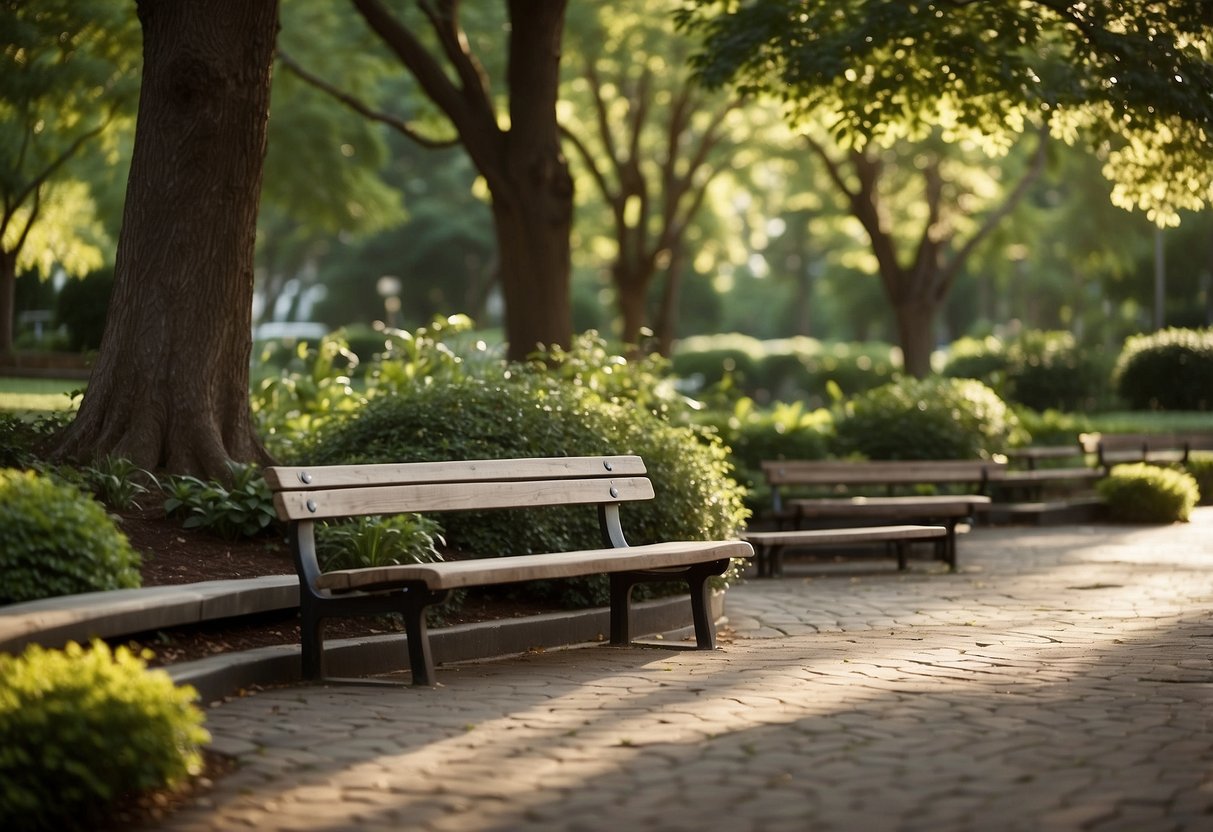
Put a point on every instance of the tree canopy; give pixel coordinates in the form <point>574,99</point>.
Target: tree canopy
<point>1132,78</point>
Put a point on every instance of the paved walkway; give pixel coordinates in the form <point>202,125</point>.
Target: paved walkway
<point>1062,680</point>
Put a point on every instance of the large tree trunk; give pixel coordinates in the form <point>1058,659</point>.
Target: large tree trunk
<point>533,203</point>
<point>8,299</point>
<point>916,333</point>
<point>632,284</point>
<point>170,387</point>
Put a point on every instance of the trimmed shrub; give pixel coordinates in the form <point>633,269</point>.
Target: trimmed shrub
<point>1048,370</point>
<point>1200,466</point>
<point>530,415</point>
<point>58,541</point>
<point>1144,493</point>
<point>1171,369</point>
<point>932,418</point>
<point>80,729</point>
<point>984,359</point>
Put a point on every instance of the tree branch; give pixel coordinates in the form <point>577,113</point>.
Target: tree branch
<point>413,54</point>
<point>360,107</point>
<point>1033,172</point>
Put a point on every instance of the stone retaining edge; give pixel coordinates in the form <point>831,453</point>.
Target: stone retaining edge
<point>227,675</point>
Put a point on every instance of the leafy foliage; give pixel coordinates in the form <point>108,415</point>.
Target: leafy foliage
<point>1049,370</point>
<point>1200,466</point>
<point>1171,369</point>
<point>784,431</point>
<point>932,418</point>
<point>785,369</point>
<point>1134,75</point>
<point>81,728</point>
<point>377,541</point>
<point>1144,493</point>
<point>23,440</point>
<point>58,541</point>
<point>242,508</point>
<point>527,415</point>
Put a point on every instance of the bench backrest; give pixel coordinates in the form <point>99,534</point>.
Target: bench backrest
<point>833,472</point>
<point>1143,446</point>
<point>321,492</point>
<point>867,472</point>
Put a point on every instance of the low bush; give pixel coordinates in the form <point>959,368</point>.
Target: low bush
<point>933,418</point>
<point>1171,369</point>
<point>1048,370</point>
<point>58,541</point>
<point>529,415</point>
<point>80,729</point>
<point>1200,466</point>
<point>1144,493</point>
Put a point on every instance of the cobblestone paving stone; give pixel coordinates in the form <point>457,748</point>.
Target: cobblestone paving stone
<point>1061,680</point>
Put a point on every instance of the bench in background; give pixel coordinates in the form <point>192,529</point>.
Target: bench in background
<point>305,495</point>
<point>970,478</point>
<point>1158,448</point>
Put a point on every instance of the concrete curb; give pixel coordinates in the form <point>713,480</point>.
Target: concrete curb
<point>220,676</point>
<point>52,622</point>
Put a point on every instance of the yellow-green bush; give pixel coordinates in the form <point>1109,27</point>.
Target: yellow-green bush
<point>58,541</point>
<point>1144,493</point>
<point>81,728</point>
<point>1200,466</point>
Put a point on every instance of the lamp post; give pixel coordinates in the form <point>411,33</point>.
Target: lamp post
<point>388,288</point>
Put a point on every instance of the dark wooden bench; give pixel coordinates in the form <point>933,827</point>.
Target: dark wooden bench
<point>770,545</point>
<point>1158,448</point>
<point>1038,469</point>
<point>305,495</point>
<point>971,477</point>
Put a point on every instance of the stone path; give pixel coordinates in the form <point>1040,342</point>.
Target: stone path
<point>1062,680</point>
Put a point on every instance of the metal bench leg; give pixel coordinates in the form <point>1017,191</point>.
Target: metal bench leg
<point>621,607</point>
<point>311,637</point>
<point>701,614</point>
<point>421,661</point>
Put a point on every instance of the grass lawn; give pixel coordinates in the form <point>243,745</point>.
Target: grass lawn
<point>38,394</point>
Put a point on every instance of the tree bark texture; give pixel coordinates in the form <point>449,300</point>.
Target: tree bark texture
<point>526,172</point>
<point>170,390</point>
<point>533,194</point>
<point>8,299</point>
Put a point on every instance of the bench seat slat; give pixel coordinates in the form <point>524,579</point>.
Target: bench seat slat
<point>294,505</point>
<point>457,574</point>
<point>924,506</point>
<point>283,478</point>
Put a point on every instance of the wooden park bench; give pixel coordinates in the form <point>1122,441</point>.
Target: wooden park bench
<point>1158,448</point>
<point>971,478</point>
<point>305,495</point>
<point>770,545</point>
